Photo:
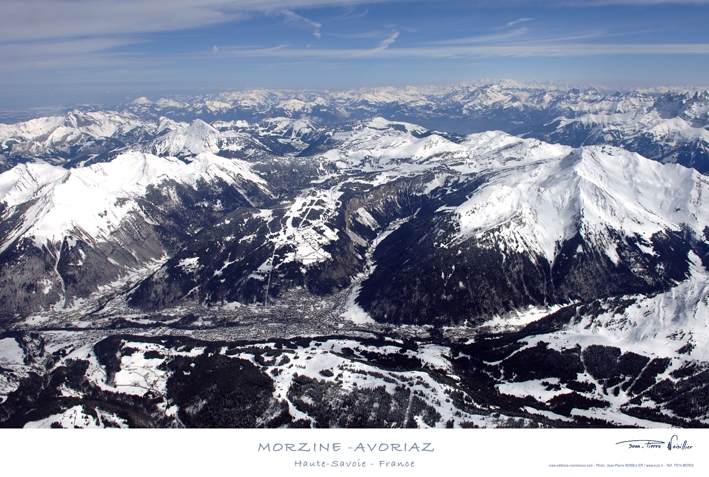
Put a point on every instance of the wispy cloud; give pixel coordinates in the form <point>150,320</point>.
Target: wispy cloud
<point>28,20</point>
<point>478,51</point>
<point>483,38</point>
<point>385,44</point>
<point>98,54</point>
<point>43,33</point>
<point>32,20</point>
<point>519,20</point>
<point>300,21</point>
<point>59,54</point>
<point>85,53</point>
<point>351,14</point>
<point>363,35</point>
<point>286,51</point>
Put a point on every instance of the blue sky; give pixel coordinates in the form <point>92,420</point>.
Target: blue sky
<point>69,51</point>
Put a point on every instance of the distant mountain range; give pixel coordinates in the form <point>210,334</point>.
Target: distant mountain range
<point>669,127</point>
<point>469,256</point>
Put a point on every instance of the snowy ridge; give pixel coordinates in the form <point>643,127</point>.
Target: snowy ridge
<point>58,129</point>
<point>654,123</point>
<point>58,138</point>
<point>286,128</point>
<point>387,145</point>
<point>194,139</point>
<point>399,146</point>
<point>597,189</point>
<point>93,201</point>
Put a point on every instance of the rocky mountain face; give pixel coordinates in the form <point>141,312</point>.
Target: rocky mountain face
<point>152,269</point>
<point>68,232</point>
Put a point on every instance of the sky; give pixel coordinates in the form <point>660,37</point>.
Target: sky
<point>112,51</point>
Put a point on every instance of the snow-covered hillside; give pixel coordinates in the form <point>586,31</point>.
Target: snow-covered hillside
<point>77,137</point>
<point>92,202</point>
<point>598,191</point>
<point>105,220</point>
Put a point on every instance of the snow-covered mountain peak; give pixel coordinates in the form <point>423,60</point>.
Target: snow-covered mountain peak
<point>381,123</point>
<point>168,103</point>
<point>75,123</point>
<point>142,101</point>
<point>189,140</point>
<point>498,150</point>
<point>74,138</point>
<point>23,182</point>
<point>167,124</point>
<point>30,129</point>
<point>378,142</point>
<point>223,125</point>
<point>292,106</point>
<point>599,192</point>
<point>200,128</point>
<point>96,199</point>
<point>287,127</point>
<point>664,194</point>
